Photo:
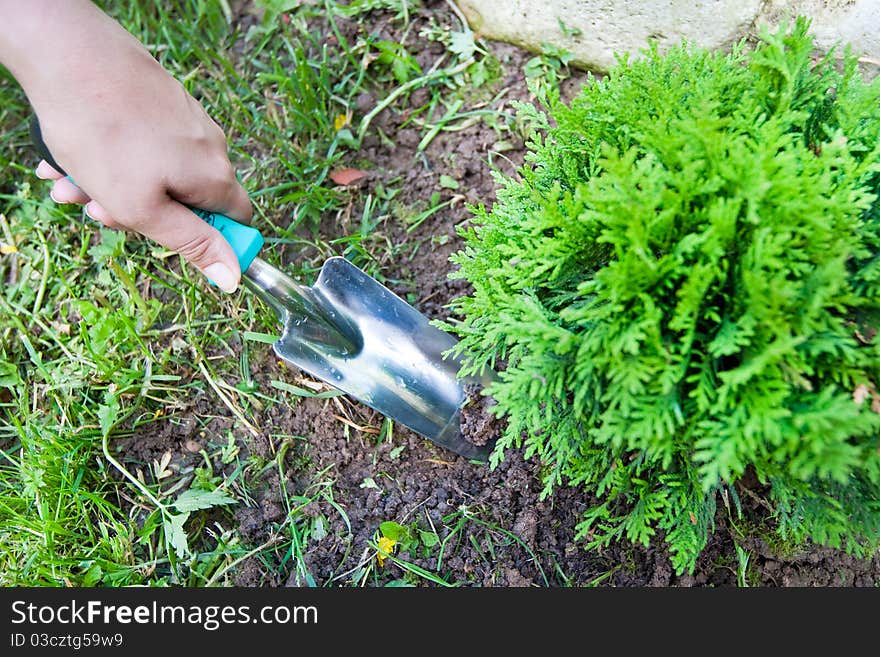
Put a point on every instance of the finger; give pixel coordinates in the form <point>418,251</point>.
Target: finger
<point>178,228</point>
<point>64,191</point>
<point>221,193</point>
<point>46,171</point>
<point>97,212</point>
<point>239,203</point>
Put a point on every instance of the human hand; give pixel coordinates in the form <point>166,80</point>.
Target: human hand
<point>139,147</point>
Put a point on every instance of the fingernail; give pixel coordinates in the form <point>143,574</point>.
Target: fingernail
<point>44,170</point>
<point>52,196</point>
<point>222,277</point>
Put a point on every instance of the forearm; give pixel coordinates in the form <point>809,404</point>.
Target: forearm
<point>42,41</point>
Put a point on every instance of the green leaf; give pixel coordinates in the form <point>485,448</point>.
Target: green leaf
<point>108,412</point>
<point>319,531</point>
<point>247,386</point>
<point>9,377</point>
<point>462,43</point>
<point>93,575</point>
<point>266,338</point>
<point>401,70</point>
<point>110,246</point>
<point>194,499</point>
<point>347,138</point>
<point>394,531</point>
<point>534,67</point>
<point>369,482</point>
<point>449,182</point>
<point>173,524</point>
<point>279,6</point>
<point>429,539</point>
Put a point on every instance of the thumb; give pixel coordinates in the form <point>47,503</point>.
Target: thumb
<point>178,228</point>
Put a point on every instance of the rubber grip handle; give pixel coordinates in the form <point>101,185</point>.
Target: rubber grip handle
<point>245,241</point>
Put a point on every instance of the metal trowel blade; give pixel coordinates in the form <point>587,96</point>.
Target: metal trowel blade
<point>352,332</point>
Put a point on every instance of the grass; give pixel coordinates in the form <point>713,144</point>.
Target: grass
<point>106,337</point>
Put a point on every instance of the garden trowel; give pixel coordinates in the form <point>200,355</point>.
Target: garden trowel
<point>352,332</point>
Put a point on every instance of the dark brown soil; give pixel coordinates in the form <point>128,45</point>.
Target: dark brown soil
<point>478,422</point>
<point>493,524</point>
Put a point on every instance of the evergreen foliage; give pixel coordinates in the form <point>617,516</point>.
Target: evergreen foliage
<point>683,284</point>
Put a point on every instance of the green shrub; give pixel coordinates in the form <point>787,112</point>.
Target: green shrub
<point>682,286</point>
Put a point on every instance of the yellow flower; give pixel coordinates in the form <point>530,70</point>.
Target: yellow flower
<point>7,248</point>
<point>386,547</point>
<point>340,121</point>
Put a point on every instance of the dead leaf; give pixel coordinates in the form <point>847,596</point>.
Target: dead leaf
<point>61,328</point>
<point>867,336</point>
<point>316,386</point>
<point>860,394</point>
<point>347,176</point>
<point>160,468</point>
<point>192,446</point>
<point>437,461</point>
<point>355,426</point>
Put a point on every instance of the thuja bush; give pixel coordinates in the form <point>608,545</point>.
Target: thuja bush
<point>681,287</point>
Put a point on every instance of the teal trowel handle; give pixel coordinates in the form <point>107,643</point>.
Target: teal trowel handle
<point>245,241</point>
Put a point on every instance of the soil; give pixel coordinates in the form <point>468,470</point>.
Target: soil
<point>478,422</point>
<point>494,525</point>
